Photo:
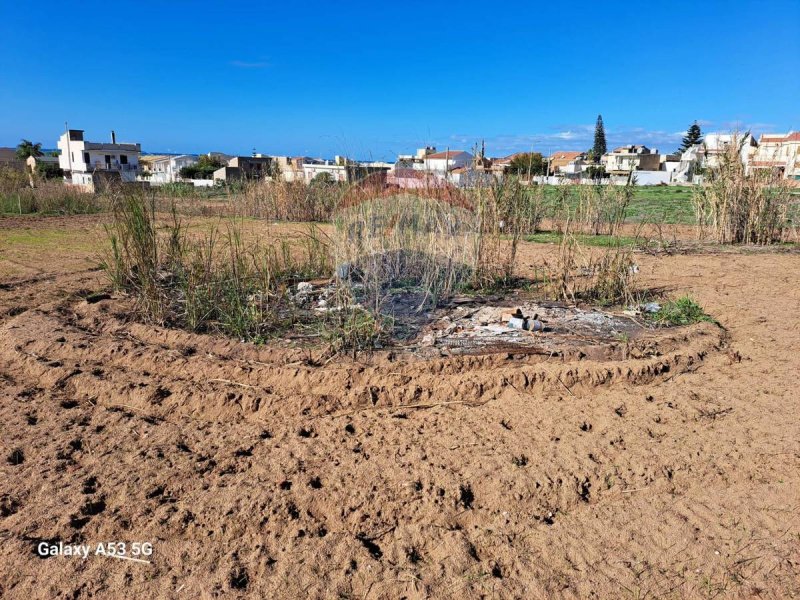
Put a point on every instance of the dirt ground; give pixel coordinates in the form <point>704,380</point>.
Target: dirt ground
<point>254,473</point>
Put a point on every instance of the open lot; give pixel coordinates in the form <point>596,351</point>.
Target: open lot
<point>254,470</point>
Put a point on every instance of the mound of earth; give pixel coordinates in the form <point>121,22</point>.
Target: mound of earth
<point>600,458</point>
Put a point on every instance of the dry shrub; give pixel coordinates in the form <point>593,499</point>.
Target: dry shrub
<point>604,276</point>
<point>215,281</point>
<point>372,189</point>
<point>601,208</point>
<point>741,208</point>
<point>406,239</point>
<point>260,199</point>
<point>351,327</point>
<point>48,196</point>
<point>507,210</point>
<point>439,239</point>
<point>287,201</point>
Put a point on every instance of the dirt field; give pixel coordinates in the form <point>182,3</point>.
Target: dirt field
<point>254,474</point>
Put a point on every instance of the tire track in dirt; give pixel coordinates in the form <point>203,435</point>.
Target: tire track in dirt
<point>86,349</point>
<point>626,483</point>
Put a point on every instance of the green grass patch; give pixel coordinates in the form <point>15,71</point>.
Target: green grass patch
<point>601,241</point>
<point>651,204</point>
<point>49,239</point>
<point>683,311</point>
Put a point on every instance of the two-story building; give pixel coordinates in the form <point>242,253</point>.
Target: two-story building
<point>344,170</point>
<point>566,164</point>
<point>167,168</point>
<point>625,160</point>
<point>87,163</point>
<point>716,146</point>
<point>246,167</point>
<point>779,151</point>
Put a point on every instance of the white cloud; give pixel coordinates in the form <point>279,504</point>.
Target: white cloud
<point>580,137</point>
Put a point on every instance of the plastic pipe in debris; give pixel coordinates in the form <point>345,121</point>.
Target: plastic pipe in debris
<point>527,324</point>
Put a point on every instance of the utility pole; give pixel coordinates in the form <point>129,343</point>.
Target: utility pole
<point>69,152</point>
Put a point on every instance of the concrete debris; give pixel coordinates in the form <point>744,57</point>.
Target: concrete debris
<point>545,327</point>
<point>428,339</point>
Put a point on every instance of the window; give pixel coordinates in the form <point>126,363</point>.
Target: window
<point>123,159</point>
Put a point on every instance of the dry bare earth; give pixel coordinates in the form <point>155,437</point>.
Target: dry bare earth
<point>255,474</point>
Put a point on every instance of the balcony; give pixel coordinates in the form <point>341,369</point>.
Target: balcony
<point>112,166</point>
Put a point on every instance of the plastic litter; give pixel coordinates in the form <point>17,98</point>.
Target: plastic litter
<point>651,307</point>
<point>526,323</point>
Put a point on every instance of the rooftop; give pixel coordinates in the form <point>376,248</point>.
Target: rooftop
<point>446,154</point>
<point>792,136</point>
<point>565,155</point>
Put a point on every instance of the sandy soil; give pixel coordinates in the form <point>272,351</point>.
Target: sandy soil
<point>255,474</point>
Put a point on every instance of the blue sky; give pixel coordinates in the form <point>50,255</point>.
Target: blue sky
<point>371,80</point>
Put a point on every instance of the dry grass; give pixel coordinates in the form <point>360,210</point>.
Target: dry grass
<point>740,208</point>
<point>287,201</point>
<point>507,211</point>
<point>601,208</point>
<point>214,281</point>
<point>48,196</point>
<point>409,239</point>
<point>425,244</point>
<point>604,276</point>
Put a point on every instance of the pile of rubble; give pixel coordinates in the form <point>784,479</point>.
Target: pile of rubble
<point>543,327</point>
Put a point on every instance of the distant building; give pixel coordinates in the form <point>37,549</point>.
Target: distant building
<point>344,170</point>
<point>567,164</point>
<point>716,145</point>
<point>779,151</point>
<point>290,168</point>
<point>408,178</point>
<point>409,160</point>
<point>625,160</point>
<point>87,163</point>
<point>670,162</point>
<point>444,162</point>
<point>709,155</point>
<point>246,167</point>
<point>470,176</point>
<point>336,169</point>
<point>167,169</point>
<point>501,166</point>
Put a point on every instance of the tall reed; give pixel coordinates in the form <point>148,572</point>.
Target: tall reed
<point>738,207</point>
<point>223,279</point>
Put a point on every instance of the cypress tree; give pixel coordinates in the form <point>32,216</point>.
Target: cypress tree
<point>599,147</point>
<point>693,136</point>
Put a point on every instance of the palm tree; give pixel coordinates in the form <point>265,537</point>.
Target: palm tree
<point>27,148</point>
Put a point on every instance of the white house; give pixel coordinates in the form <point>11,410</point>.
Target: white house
<point>670,162</point>
<point>166,169</point>
<point>337,169</point>
<point>624,160</point>
<point>444,162</point>
<point>567,164</point>
<point>715,145</point>
<point>709,153</point>
<point>84,162</point>
<point>779,151</point>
